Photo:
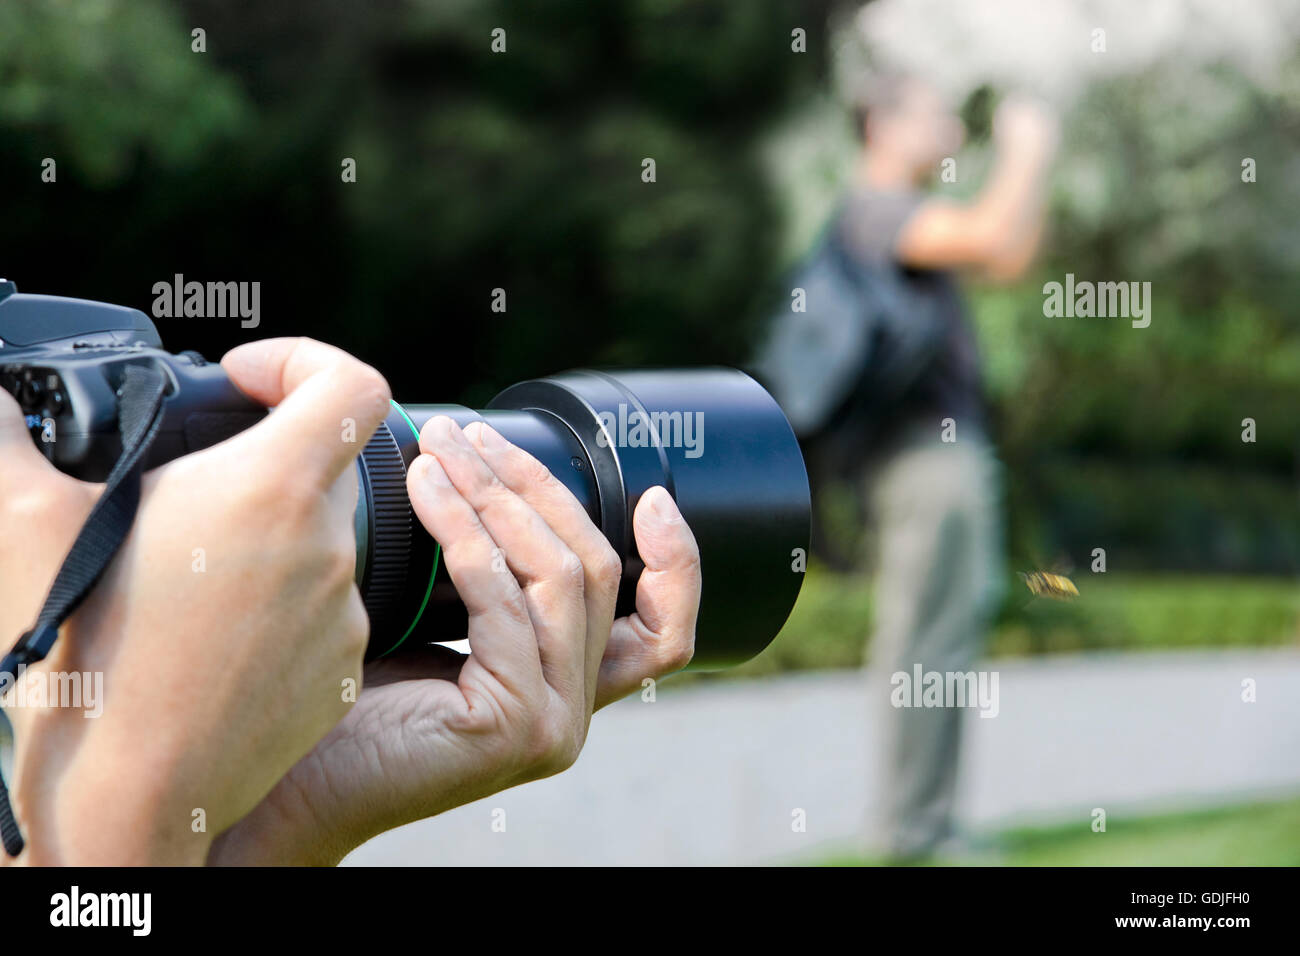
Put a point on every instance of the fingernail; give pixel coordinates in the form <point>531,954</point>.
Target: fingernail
<point>454,432</point>
<point>444,428</point>
<point>662,504</point>
<point>435,428</point>
<point>490,438</point>
<point>434,475</point>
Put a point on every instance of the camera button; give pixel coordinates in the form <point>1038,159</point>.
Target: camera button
<point>32,395</point>
<point>55,402</point>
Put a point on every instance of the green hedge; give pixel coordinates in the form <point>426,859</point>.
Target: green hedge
<point>1114,611</point>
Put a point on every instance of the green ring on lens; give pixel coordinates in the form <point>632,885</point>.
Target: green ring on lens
<point>437,552</point>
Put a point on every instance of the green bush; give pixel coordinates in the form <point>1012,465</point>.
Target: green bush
<point>831,623</point>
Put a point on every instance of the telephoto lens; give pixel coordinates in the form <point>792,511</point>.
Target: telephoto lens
<point>713,438</point>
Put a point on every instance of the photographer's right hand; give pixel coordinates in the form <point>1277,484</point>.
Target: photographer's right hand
<point>228,630</point>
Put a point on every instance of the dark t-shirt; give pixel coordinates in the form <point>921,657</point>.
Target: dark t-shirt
<point>950,386</point>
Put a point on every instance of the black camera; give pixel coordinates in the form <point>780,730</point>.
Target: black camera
<point>713,437</point>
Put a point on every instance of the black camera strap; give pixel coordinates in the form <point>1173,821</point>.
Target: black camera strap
<point>139,416</point>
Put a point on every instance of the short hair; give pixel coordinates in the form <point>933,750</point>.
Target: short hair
<point>878,92</point>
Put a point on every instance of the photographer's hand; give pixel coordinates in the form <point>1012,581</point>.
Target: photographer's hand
<point>436,730</point>
<point>224,629</point>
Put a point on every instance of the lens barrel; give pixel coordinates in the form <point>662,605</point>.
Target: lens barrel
<point>713,437</point>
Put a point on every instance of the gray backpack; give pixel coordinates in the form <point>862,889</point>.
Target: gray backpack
<point>863,338</point>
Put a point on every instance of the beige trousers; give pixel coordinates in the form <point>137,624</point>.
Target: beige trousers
<point>936,511</point>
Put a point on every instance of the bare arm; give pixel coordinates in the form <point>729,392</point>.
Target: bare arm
<point>999,231</point>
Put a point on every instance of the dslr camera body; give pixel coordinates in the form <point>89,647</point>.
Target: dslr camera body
<point>63,360</point>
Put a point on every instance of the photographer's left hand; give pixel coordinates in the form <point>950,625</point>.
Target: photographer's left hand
<point>435,730</point>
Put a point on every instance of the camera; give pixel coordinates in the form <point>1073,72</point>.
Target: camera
<point>712,436</point>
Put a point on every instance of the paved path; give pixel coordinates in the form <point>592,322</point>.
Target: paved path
<point>712,774</point>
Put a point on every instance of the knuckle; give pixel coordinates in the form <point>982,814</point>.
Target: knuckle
<point>607,569</point>
<point>565,756</point>
<point>570,571</point>
<point>53,500</point>
<point>675,653</point>
<point>534,473</point>
<point>515,608</point>
<point>273,494</point>
<point>693,568</point>
<point>342,561</point>
<point>356,635</point>
<point>291,501</point>
<point>37,504</point>
<point>493,494</point>
<point>555,746</point>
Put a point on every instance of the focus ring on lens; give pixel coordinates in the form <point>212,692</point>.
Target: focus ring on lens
<point>390,543</point>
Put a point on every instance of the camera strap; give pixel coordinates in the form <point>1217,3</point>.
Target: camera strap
<point>139,416</point>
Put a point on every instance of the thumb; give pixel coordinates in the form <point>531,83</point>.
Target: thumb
<point>316,389</point>
<point>668,593</point>
<point>660,637</point>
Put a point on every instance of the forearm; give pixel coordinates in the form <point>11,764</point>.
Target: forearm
<point>1011,207</point>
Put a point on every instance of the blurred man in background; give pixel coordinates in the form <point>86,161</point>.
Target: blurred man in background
<point>931,483</point>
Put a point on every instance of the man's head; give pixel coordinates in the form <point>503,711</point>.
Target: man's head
<point>907,118</point>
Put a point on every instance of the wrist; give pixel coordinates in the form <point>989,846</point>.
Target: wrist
<point>282,830</point>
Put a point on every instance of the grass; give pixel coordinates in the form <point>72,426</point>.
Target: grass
<point>831,622</point>
<point>1264,834</point>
